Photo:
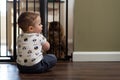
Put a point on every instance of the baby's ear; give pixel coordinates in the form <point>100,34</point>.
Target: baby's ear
<point>31,28</point>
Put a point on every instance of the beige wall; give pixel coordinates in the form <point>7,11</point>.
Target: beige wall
<point>97,25</point>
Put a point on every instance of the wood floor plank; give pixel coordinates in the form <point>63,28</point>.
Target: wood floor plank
<point>66,71</point>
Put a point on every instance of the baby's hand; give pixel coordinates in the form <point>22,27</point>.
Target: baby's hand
<point>46,46</point>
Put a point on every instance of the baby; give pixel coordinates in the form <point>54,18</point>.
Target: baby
<point>30,45</point>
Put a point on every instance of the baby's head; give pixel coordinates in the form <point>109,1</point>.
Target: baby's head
<point>29,20</point>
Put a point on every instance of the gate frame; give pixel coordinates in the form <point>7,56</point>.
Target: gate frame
<point>44,19</point>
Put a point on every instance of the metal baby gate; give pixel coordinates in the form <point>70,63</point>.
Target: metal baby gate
<point>51,11</point>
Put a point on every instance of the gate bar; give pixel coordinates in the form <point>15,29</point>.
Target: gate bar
<point>34,5</point>
<point>67,57</point>
<point>0,33</point>
<point>44,15</point>
<point>26,5</point>
<point>14,31</point>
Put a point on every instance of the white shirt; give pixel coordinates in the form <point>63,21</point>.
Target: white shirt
<point>30,48</point>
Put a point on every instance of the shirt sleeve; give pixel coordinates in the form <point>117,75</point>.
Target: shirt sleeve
<point>42,39</point>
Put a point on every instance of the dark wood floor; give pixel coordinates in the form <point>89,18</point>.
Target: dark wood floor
<point>66,71</point>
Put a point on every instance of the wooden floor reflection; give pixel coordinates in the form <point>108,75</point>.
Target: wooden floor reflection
<point>66,71</point>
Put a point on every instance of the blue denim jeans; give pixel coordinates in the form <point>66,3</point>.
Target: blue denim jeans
<point>48,61</point>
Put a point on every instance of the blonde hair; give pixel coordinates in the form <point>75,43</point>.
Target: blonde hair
<point>27,19</point>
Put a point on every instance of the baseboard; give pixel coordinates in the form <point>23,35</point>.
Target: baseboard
<point>96,56</point>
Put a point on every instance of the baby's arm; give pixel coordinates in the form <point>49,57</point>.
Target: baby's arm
<point>46,46</point>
